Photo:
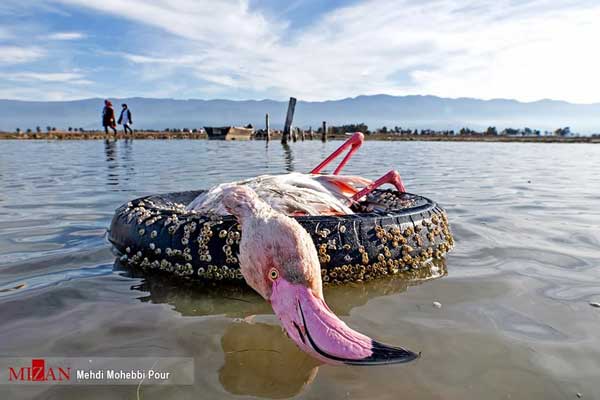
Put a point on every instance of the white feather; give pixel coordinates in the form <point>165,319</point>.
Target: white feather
<point>291,194</point>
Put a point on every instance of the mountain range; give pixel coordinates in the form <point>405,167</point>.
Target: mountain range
<point>414,112</point>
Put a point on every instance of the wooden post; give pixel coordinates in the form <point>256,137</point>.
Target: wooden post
<point>310,133</point>
<point>324,134</point>
<point>267,129</point>
<point>302,135</point>
<point>288,120</point>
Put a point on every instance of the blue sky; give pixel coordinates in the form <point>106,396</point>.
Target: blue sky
<point>311,49</point>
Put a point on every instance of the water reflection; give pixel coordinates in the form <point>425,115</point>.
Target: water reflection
<point>234,300</point>
<point>516,316</point>
<point>237,300</point>
<point>261,361</point>
<point>110,149</point>
<point>259,358</point>
<point>119,168</point>
<point>127,145</point>
<point>288,157</point>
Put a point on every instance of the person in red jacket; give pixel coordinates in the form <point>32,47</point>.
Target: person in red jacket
<point>108,117</point>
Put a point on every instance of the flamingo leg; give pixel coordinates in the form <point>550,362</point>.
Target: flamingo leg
<point>354,143</point>
<point>392,177</point>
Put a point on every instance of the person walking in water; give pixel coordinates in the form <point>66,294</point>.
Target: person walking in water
<point>125,119</point>
<point>108,117</point>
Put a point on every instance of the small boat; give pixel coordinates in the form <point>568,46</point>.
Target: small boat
<point>229,133</point>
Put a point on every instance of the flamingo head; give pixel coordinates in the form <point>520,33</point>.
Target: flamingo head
<point>279,260</point>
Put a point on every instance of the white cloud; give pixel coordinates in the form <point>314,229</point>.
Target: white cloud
<point>10,55</point>
<point>65,36</point>
<point>44,94</point>
<point>529,51</point>
<point>526,50</point>
<point>49,77</point>
<point>224,23</point>
<point>180,60</point>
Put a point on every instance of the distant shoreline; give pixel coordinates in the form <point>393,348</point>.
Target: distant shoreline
<point>164,135</point>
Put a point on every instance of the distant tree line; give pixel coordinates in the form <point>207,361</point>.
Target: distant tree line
<point>49,129</point>
<point>340,130</point>
<point>466,131</point>
<point>492,131</point>
<point>362,127</point>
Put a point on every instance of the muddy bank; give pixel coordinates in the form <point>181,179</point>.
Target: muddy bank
<point>152,135</point>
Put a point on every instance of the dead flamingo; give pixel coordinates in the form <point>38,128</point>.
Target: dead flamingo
<point>278,259</point>
<point>305,194</point>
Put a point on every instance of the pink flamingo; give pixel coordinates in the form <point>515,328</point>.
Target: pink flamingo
<point>305,194</point>
<point>279,260</point>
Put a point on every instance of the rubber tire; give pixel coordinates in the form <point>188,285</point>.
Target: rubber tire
<point>351,247</point>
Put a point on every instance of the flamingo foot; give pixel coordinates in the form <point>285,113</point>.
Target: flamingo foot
<point>354,143</point>
<point>392,177</point>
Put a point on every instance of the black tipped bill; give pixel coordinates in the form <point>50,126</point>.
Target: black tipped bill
<point>384,354</point>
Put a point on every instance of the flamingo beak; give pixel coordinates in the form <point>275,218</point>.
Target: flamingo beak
<point>310,323</point>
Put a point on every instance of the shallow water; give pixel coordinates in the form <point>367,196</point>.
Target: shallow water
<point>515,321</point>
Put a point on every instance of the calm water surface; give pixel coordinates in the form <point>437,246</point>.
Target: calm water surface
<point>515,322</point>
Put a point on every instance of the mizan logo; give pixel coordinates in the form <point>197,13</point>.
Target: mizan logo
<point>38,372</point>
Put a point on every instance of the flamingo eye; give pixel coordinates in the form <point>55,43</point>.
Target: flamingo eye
<point>273,274</point>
